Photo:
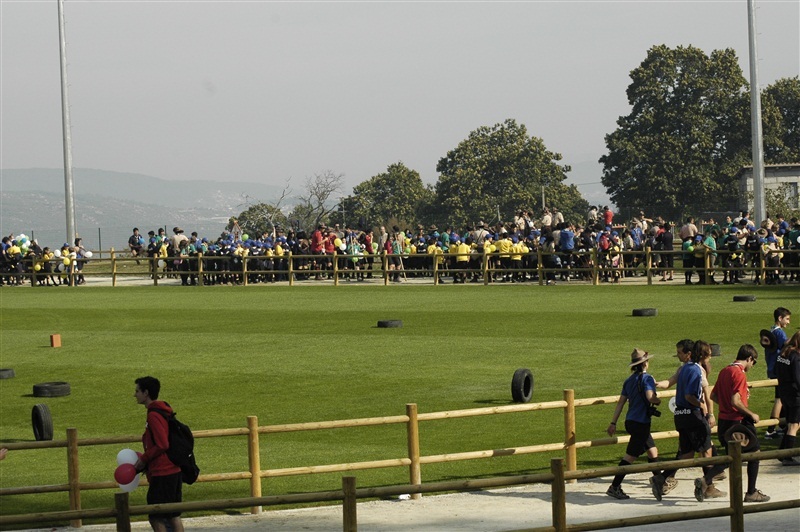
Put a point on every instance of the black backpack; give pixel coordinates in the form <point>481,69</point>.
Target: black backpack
<point>181,447</point>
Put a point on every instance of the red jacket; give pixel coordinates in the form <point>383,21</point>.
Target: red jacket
<point>156,442</point>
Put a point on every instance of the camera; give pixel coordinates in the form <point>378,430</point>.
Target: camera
<point>653,411</point>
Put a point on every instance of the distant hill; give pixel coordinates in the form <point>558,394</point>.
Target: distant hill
<point>109,204</point>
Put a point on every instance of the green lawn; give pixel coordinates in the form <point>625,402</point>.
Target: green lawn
<point>291,355</point>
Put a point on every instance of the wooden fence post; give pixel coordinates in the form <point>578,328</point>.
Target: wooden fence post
<point>558,495</point>
<point>350,517</point>
<point>73,474</point>
<point>540,266</point>
<point>121,503</point>
<point>254,456</point>
<point>335,267</point>
<point>200,275</point>
<point>385,266</point>
<point>414,469</point>
<point>648,265</point>
<point>735,483</point>
<point>244,269</point>
<point>595,272</point>
<point>485,267</point>
<point>291,269</point>
<point>435,271</point>
<point>569,432</point>
<point>113,268</point>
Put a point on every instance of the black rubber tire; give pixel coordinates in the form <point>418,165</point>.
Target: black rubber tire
<point>716,350</point>
<point>42,422</point>
<point>390,324</point>
<point>743,298</point>
<point>645,312</point>
<point>7,373</point>
<point>51,389</point>
<point>522,385</point>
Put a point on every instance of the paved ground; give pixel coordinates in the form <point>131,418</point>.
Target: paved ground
<point>521,507</point>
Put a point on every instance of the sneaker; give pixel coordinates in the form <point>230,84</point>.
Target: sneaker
<point>719,478</point>
<point>670,484</point>
<point>790,461</point>
<point>756,496</point>
<point>775,433</point>
<point>657,485</point>
<point>700,487</point>
<point>713,493</point>
<point>617,493</point>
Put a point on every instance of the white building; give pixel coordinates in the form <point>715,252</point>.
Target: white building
<point>776,176</point>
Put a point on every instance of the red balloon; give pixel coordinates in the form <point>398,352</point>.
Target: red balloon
<point>124,474</point>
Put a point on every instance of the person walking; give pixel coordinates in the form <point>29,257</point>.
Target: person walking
<point>693,420</point>
<point>163,476</point>
<point>731,394</point>
<point>639,391</point>
<point>787,367</point>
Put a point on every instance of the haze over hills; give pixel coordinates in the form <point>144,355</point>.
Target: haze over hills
<point>109,204</point>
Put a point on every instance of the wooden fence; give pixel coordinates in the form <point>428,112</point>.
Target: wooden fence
<point>413,461</point>
<point>538,265</point>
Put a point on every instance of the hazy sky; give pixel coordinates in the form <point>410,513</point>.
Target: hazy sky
<point>264,91</point>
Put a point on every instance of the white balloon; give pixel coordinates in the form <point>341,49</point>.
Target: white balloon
<point>343,247</point>
<point>132,485</point>
<point>57,253</point>
<point>161,263</point>
<point>127,456</point>
<point>672,405</point>
<point>60,267</point>
<point>88,254</point>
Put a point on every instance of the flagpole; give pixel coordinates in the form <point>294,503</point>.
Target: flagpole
<point>759,203</point>
<point>69,194</point>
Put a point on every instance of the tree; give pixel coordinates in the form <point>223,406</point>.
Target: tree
<point>397,194</point>
<point>784,97</point>
<point>315,203</point>
<point>687,135</point>
<point>501,168</point>
<point>261,217</point>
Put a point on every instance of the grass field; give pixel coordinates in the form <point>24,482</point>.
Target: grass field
<point>291,355</point>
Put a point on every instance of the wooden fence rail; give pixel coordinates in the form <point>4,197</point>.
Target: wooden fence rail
<point>570,446</point>
<point>557,478</point>
<point>539,263</point>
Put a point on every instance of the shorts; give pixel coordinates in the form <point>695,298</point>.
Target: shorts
<point>163,490</point>
<point>724,424</point>
<point>694,433</point>
<point>791,413</point>
<point>641,440</point>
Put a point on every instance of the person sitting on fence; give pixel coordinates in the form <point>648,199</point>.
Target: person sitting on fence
<point>639,391</point>
<point>136,243</point>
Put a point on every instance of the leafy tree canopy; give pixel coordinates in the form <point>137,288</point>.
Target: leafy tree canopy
<point>687,135</point>
<point>501,168</point>
<point>784,145</point>
<point>397,195</point>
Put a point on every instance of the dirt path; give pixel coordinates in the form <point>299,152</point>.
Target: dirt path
<point>520,507</point>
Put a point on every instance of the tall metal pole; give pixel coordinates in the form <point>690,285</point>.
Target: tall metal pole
<point>759,203</point>
<point>69,195</point>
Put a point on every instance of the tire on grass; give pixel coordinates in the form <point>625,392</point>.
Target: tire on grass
<point>51,389</point>
<point>7,373</point>
<point>738,299</point>
<point>645,312</point>
<point>522,385</point>
<point>390,324</point>
<point>42,422</point>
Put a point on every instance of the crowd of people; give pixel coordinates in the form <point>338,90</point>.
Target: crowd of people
<point>511,251</point>
<point>693,409</point>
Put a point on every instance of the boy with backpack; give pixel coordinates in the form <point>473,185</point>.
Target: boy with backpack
<point>163,475</point>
